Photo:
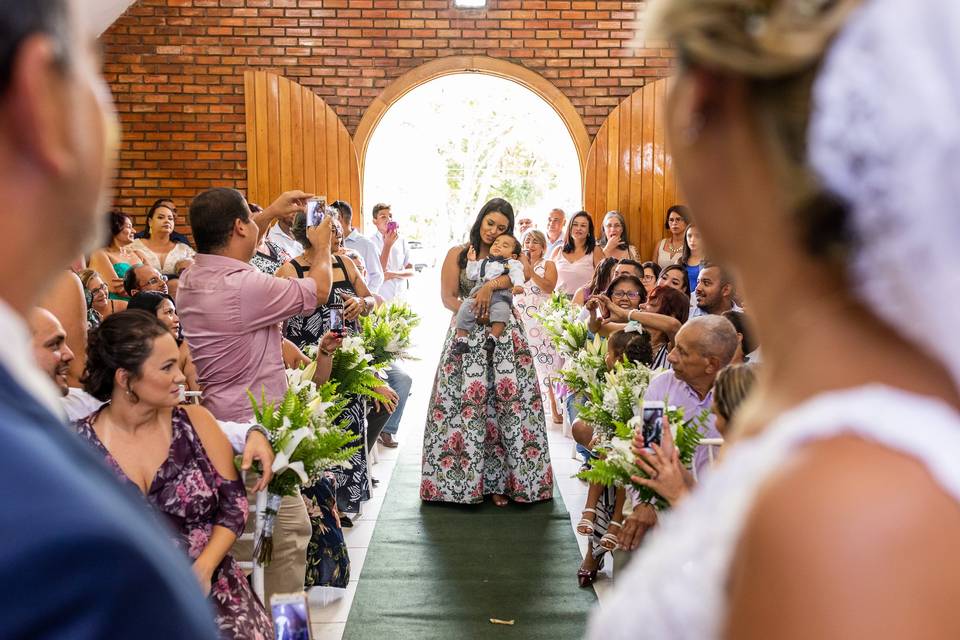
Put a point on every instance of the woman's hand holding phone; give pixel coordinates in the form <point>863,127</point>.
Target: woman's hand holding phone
<point>319,236</point>
<point>331,341</point>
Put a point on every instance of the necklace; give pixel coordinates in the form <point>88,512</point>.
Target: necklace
<point>673,249</point>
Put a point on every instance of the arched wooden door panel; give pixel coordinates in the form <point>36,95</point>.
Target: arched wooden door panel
<point>296,141</point>
<point>630,169</point>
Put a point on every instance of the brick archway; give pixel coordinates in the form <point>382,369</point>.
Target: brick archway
<point>474,64</point>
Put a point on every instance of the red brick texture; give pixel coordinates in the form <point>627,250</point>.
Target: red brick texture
<point>176,68</point>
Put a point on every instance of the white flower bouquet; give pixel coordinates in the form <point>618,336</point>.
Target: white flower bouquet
<point>387,333</point>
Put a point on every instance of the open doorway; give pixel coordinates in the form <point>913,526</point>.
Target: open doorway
<point>454,142</point>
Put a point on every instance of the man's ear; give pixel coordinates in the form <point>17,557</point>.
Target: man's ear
<point>37,104</point>
<point>726,290</point>
<point>239,228</point>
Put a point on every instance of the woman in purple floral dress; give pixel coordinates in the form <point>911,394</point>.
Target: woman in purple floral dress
<point>485,431</point>
<point>176,457</point>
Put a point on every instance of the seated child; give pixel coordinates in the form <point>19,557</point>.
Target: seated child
<point>632,344</point>
<point>502,259</point>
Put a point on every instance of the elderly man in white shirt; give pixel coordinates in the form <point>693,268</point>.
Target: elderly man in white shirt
<point>361,244</point>
<point>394,253</point>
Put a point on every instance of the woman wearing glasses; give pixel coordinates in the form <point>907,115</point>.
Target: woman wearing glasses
<point>99,305</point>
<point>626,292</point>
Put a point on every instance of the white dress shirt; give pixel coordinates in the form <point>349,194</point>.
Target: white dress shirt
<point>397,261</point>
<point>371,258</point>
<point>287,243</point>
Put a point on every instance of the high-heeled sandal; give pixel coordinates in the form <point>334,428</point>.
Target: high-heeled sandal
<point>585,527</point>
<point>610,541</point>
<point>586,577</point>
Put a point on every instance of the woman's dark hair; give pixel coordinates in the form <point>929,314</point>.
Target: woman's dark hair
<point>739,321</point>
<point>164,203</point>
<point>150,301</point>
<point>672,302</point>
<point>116,220</point>
<point>497,205</point>
<point>685,256</point>
<point>653,266</point>
<point>634,280</point>
<point>20,20</point>
<point>212,215</point>
<point>680,210</point>
<point>683,276</point>
<point>568,244</point>
<point>634,346</point>
<point>298,229</point>
<point>123,341</point>
<point>624,240</point>
<point>602,275</point>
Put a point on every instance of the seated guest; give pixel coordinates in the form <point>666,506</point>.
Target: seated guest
<point>231,315</point>
<point>602,276</point>
<point>114,260</point>
<point>352,239</point>
<point>748,351</point>
<point>705,345</point>
<point>99,305</point>
<point>664,313</point>
<point>714,292</point>
<point>66,300</point>
<point>162,306</point>
<point>664,473</point>
<point>626,293</point>
<point>165,254</point>
<point>675,276</point>
<point>143,277</point>
<point>176,456</point>
<point>176,236</point>
<point>628,267</point>
<point>651,271</point>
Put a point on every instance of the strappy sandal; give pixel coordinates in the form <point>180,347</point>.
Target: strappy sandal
<point>610,541</point>
<point>585,527</point>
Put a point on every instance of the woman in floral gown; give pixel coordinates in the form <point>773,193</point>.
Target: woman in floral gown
<point>485,431</point>
<point>541,279</point>
<point>176,457</point>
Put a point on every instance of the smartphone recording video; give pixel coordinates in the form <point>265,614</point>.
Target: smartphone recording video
<point>336,318</point>
<point>315,210</point>
<point>291,616</point>
<point>653,412</point>
<point>392,226</point>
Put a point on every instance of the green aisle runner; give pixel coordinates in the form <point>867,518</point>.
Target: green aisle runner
<point>442,571</point>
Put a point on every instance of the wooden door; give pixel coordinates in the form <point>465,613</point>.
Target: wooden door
<point>296,141</point>
<point>629,168</point>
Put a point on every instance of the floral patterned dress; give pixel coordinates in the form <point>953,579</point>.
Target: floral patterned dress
<point>195,498</point>
<point>545,357</point>
<point>485,431</point>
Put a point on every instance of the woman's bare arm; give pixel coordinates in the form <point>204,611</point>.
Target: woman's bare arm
<point>450,279</point>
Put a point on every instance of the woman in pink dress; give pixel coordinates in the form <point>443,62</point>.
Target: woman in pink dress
<point>577,258</point>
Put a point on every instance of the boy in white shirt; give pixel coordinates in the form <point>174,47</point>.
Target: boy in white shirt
<point>502,259</point>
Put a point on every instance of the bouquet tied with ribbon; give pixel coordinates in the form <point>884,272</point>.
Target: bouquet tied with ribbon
<point>306,441</point>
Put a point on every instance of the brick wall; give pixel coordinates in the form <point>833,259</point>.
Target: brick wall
<point>176,68</point>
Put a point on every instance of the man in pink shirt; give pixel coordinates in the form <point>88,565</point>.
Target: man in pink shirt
<point>231,314</point>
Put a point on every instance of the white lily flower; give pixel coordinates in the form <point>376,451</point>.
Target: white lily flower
<point>282,460</point>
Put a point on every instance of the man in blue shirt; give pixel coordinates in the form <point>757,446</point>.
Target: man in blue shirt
<point>82,557</point>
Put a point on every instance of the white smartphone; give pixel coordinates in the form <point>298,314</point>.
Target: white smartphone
<point>291,616</point>
<point>315,210</point>
<point>653,412</point>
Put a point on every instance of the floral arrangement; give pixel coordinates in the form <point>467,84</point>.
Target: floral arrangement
<point>586,367</point>
<point>387,333</point>
<point>558,317</point>
<point>353,371</point>
<point>306,441</point>
<point>610,405</point>
<point>616,463</point>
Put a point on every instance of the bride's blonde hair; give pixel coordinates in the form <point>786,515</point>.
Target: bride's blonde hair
<point>776,47</point>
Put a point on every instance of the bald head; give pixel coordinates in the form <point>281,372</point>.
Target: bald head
<point>704,346</point>
<point>50,350</point>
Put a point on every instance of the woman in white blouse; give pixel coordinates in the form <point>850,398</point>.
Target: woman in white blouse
<point>162,252</point>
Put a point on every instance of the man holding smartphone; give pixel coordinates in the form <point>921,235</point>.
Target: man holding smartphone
<point>394,253</point>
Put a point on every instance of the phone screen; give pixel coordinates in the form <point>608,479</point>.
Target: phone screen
<point>291,619</point>
<point>392,226</point>
<point>315,207</point>
<point>652,423</point>
<point>336,318</point>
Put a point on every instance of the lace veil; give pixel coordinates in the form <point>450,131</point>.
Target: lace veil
<point>885,134</point>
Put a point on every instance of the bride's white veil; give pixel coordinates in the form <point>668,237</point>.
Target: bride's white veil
<point>885,135</point>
